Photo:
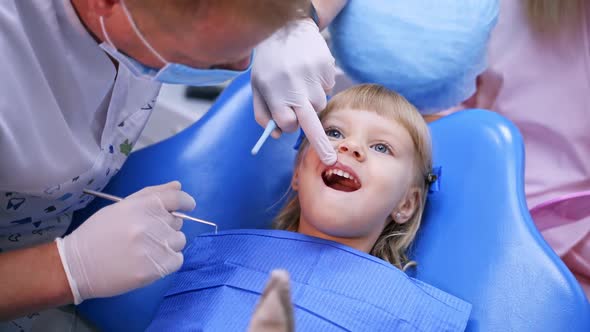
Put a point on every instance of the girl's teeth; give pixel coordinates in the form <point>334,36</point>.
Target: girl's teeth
<point>341,173</point>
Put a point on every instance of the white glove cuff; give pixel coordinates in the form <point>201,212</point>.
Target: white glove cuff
<point>72,283</point>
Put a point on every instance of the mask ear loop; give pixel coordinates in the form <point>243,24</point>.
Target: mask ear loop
<point>140,35</point>
<point>105,33</point>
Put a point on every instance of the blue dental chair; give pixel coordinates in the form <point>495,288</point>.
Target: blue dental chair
<point>477,242</point>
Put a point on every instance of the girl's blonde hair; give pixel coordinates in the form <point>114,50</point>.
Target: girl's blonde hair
<point>395,239</point>
<point>554,16</point>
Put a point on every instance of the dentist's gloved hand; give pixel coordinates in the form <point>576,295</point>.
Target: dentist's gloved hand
<point>126,245</point>
<point>292,72</point>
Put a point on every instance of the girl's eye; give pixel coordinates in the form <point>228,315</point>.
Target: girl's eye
<point>334,133</point>
<point>382,148</point>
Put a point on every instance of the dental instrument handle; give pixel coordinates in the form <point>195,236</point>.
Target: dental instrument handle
<point>103,195</point>
<point>267,131</point>
<point>176,214</point>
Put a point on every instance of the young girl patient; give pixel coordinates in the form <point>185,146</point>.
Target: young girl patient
<point>372,199</point>
<point>351,225</point>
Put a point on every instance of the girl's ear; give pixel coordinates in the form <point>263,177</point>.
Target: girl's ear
<point>407,207</point>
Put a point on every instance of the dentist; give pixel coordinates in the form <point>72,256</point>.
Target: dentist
<point>79,81</point>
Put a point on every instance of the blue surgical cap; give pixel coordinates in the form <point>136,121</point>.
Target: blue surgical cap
<point>429,51</point>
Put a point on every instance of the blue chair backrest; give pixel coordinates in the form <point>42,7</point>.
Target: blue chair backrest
<point>478,241</point>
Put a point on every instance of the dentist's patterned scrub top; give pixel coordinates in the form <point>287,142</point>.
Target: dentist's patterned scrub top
<point>68,119</point>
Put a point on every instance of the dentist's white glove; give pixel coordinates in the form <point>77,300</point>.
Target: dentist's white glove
<point>292,71</point>
<point>126,245</point>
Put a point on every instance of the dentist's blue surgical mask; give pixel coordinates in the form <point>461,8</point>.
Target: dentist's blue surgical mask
<point>172,73</point>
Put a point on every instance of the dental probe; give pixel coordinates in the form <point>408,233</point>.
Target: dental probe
<point>176,214</point>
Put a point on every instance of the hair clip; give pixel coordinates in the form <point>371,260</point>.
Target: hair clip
<point>433,179</point>
<point>299,140</point>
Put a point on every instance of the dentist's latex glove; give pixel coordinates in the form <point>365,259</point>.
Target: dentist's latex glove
<point>126,245</point>
<point>292,72</point>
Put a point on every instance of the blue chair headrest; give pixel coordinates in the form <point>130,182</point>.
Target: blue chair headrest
<point>478,241</point>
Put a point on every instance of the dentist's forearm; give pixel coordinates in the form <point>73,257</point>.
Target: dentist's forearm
<point>327,10</point>
<point>32,279</point>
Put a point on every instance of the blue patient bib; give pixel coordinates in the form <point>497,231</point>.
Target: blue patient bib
<point>333,287</point>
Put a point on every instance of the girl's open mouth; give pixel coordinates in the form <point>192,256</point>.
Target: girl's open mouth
<point>341,178</point>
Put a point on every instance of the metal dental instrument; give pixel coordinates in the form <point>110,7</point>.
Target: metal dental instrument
<point>176,214</point>
<point>267,131</point>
